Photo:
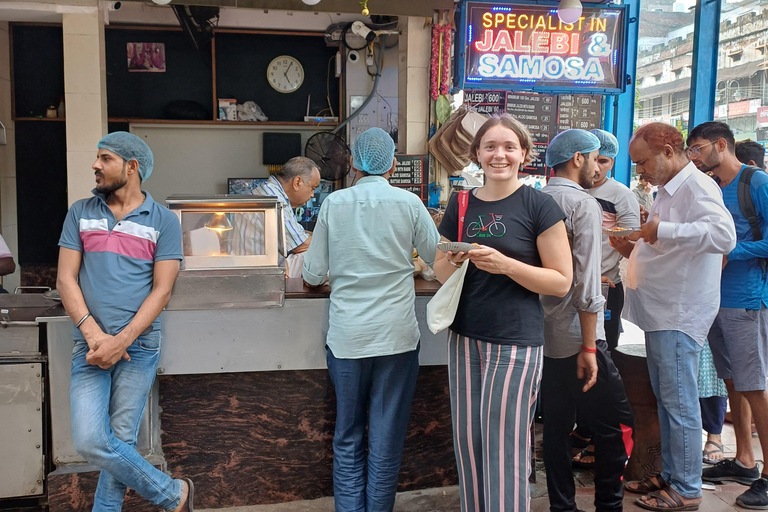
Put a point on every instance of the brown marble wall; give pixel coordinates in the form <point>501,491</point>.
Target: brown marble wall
<point>38,275</point>
<point>252,438</point>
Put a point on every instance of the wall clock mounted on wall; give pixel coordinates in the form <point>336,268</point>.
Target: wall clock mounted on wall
<point>285,74</point>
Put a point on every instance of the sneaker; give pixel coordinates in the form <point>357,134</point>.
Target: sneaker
<point>756,497</point>
<point>729,471</point>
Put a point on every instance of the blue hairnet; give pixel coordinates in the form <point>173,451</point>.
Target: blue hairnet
<point>567,143</point>
<point>373,151</point>
<point>609,146</point>
<point>130,147</point>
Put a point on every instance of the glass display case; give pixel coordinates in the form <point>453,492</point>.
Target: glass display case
<point>233,248</point>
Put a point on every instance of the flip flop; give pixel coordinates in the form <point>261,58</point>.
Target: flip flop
<point>706,454</point>
<point>190,504</point>
<point>672,502</point>
<point>586,452</point>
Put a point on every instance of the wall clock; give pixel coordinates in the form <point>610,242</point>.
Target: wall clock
<point>285,74</point>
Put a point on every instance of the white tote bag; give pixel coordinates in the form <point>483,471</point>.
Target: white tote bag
<point>442,308</point>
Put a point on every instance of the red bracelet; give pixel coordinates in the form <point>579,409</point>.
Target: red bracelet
<point>584,348</point>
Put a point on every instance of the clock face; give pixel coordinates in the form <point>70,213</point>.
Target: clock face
<point>285,74</point>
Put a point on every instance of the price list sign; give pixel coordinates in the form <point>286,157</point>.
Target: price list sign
<point>486,102</point>
<point>411,174</point>
<point>538,112</point>
<point>582,111</point>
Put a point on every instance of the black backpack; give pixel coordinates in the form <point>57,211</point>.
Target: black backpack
<point>747,206</point>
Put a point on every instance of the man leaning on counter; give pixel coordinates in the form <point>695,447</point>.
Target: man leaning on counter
<point>293,186</point>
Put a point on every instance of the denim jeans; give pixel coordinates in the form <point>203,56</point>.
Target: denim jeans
<point>376,391</point>
<point>107,408</point>
<point>673,364</point>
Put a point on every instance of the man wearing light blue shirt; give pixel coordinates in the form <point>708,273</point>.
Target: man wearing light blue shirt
<point>363,242</point>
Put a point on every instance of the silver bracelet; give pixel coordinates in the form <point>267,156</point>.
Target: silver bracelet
<point>83,320</point>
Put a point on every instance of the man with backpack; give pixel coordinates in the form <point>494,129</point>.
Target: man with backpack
<point>739,335</point>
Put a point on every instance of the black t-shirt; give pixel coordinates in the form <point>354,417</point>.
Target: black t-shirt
<point>493,307</point>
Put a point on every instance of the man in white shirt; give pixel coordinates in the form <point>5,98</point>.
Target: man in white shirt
<point>673,294</point>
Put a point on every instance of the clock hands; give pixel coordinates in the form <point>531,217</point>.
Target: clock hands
<point>286,73</point>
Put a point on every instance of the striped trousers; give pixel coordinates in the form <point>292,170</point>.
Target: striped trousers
<point>493,397</point>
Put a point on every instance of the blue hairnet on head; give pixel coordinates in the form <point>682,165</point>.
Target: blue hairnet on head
<point>567,143</point>
<point>373,151</point>
<point>609,146</point>
<point>130,147</point>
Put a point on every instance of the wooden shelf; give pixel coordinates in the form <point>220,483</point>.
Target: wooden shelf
<point>212,122</point>
<point>39,119</point>
<point>190,121</point>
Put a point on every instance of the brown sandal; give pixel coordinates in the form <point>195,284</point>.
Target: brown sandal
<point>646,485</point>
<point>673,502</point>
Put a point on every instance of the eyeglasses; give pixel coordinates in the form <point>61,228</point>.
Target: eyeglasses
<point>696,150</point>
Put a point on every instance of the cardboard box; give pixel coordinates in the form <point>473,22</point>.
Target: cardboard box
<point>227,109</point>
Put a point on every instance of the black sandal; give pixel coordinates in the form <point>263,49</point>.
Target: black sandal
<point>586,452</point>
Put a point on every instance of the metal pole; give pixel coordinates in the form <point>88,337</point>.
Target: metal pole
<point>625,104</point>
<point>706,35</point>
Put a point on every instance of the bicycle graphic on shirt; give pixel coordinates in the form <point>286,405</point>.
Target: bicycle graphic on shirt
<point>495,228</point>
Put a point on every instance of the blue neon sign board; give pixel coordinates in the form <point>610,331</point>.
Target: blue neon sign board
<point>524,46</point>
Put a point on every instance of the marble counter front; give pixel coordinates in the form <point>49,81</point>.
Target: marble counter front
<point>244,406</point>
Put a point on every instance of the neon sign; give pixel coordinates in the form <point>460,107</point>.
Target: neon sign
<point>528,46</point>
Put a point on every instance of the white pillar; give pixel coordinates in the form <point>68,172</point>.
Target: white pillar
<point>413,86</point>
<point>85,97</point>
<point>8,161</point>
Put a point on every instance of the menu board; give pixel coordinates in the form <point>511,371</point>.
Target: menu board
<point>412,174</point>
<point>486,102</point>
<point>538,112</point>
<point>545,115</point>
<point>582,111</point>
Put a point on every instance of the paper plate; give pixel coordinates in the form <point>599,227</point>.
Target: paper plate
<point>455,247</point>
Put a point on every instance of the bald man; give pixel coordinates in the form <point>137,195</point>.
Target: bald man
<point>673,294</point>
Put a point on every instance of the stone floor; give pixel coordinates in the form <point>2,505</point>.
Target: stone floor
<point>446,499</point>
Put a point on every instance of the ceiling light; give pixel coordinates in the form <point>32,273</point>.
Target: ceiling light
<point>161,2</point>
<point>569,11</point>
<point>311,2</point>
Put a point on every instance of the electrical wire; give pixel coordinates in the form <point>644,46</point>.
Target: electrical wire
<point>370,96</point>
<point>344,38</point>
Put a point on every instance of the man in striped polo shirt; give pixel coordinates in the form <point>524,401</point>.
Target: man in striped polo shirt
<point>293,186</point>
<point>119,257</point>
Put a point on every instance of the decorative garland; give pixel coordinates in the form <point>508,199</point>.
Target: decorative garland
<point>440,62</point>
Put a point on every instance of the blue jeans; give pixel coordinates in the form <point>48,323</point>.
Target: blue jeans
<point>673,364</point>
<point>376,391</point>
<point>107,408</point>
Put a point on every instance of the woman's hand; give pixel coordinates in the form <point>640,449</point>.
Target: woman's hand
<point>456,258</point>
<point>490,260</point>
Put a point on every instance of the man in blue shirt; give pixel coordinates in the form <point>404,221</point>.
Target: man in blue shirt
<point>119,258</point>
<point>739,335</point>
<point>363,242</point>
